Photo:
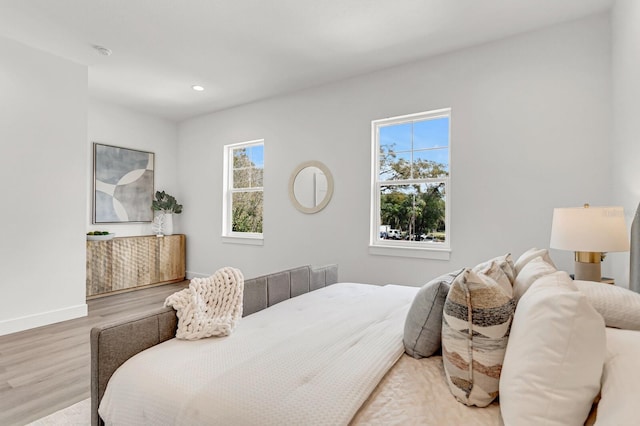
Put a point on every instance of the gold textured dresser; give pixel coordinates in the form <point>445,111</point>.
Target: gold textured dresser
<point>128,263</point>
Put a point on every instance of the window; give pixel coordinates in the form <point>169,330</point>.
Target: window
<point>410,185</point>
<point>243,190</point>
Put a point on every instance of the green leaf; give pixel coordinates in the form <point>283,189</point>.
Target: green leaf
<point>166,203</point>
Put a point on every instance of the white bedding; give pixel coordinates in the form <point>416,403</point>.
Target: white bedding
<point>313,359</point>
<point>415,392</point>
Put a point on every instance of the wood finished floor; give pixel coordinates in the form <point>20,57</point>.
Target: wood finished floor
<point>46,369</point>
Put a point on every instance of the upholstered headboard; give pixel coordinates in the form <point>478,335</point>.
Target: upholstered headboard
<point>114,343</point>
<point>634,273</point>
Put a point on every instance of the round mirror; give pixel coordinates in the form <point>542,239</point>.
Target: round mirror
<point>311,187</point>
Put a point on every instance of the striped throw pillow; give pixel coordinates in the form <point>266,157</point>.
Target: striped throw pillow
<point>475,328</point>
<point>506,264</point>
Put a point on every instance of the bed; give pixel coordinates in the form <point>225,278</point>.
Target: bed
<point>114,343</point>
<point>323,352</point>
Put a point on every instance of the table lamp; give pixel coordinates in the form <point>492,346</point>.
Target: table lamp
<point>590,232</point>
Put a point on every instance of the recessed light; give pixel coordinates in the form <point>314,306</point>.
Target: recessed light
<point>197,88</point>
<point>102,50</point>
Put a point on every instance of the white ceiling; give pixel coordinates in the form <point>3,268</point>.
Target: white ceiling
<point>245,50</point>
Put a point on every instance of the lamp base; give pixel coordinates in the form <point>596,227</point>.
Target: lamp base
<point>588,266</point>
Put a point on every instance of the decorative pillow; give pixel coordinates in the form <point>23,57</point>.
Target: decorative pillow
<point>495,271</point>
<point>506,264</point>
<point>552,368</point>
<point>475,328</point>
<point>533,270</point>
<point>620,379</point>
<point>423,326</point>
<point>619,307</point>
<point>531,254</point>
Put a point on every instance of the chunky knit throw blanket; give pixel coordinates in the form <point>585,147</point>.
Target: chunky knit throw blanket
<point>209,306</point>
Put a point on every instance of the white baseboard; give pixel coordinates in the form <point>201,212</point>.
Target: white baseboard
<point>27,322</point>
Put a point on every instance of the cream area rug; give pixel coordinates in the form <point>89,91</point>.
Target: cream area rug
<point>78,414</point>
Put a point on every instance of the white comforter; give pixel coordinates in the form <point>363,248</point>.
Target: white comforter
<point>313,359</point>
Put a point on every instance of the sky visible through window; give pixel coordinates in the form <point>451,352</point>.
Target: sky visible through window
<point>430,140</point>
<point>256,155</point>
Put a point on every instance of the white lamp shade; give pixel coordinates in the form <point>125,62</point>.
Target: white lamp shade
<point>592,229</point>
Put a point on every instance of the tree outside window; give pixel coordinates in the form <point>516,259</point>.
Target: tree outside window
<point>244,166</point>
<point>411,179</point>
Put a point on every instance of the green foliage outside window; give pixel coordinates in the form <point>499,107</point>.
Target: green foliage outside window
<point>247,212</point>
<point>247,198</point>
<point>416,209</point>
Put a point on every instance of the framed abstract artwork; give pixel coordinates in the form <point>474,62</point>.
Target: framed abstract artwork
<point>122,184</point>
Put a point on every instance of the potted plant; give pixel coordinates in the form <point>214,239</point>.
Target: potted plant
<point>168,205</point>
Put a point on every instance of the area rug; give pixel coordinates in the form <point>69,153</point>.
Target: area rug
<point>78,414</point>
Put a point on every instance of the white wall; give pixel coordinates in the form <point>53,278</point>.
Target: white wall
<point>47,127</point>
<point>530,125</point>
<point>531,121</point>
<point>626,121</point>
<point>43,130</point>
<point>115,125</point>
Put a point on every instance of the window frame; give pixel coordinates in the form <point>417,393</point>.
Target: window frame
<point>228,235</point>
<point>405,248</point>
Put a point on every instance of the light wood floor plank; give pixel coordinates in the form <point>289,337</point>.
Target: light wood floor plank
<point>46,369</point>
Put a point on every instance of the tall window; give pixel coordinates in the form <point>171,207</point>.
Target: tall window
<point>411,171</point>
<point>243,189</point>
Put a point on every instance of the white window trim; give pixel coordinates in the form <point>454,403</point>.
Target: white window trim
<point>246,240</point>
<point>426,250</point>
<point>229,236</point>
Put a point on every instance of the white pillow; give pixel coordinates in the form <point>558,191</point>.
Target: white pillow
<point>553,363</point>
<point>620,379</point>
<point>531,254</point>
<point>619,307</point>
<point>534,269</point>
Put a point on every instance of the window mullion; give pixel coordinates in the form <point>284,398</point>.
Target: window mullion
<point>412,149</point>
<point>256,189</point>
<point>411,181</point>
